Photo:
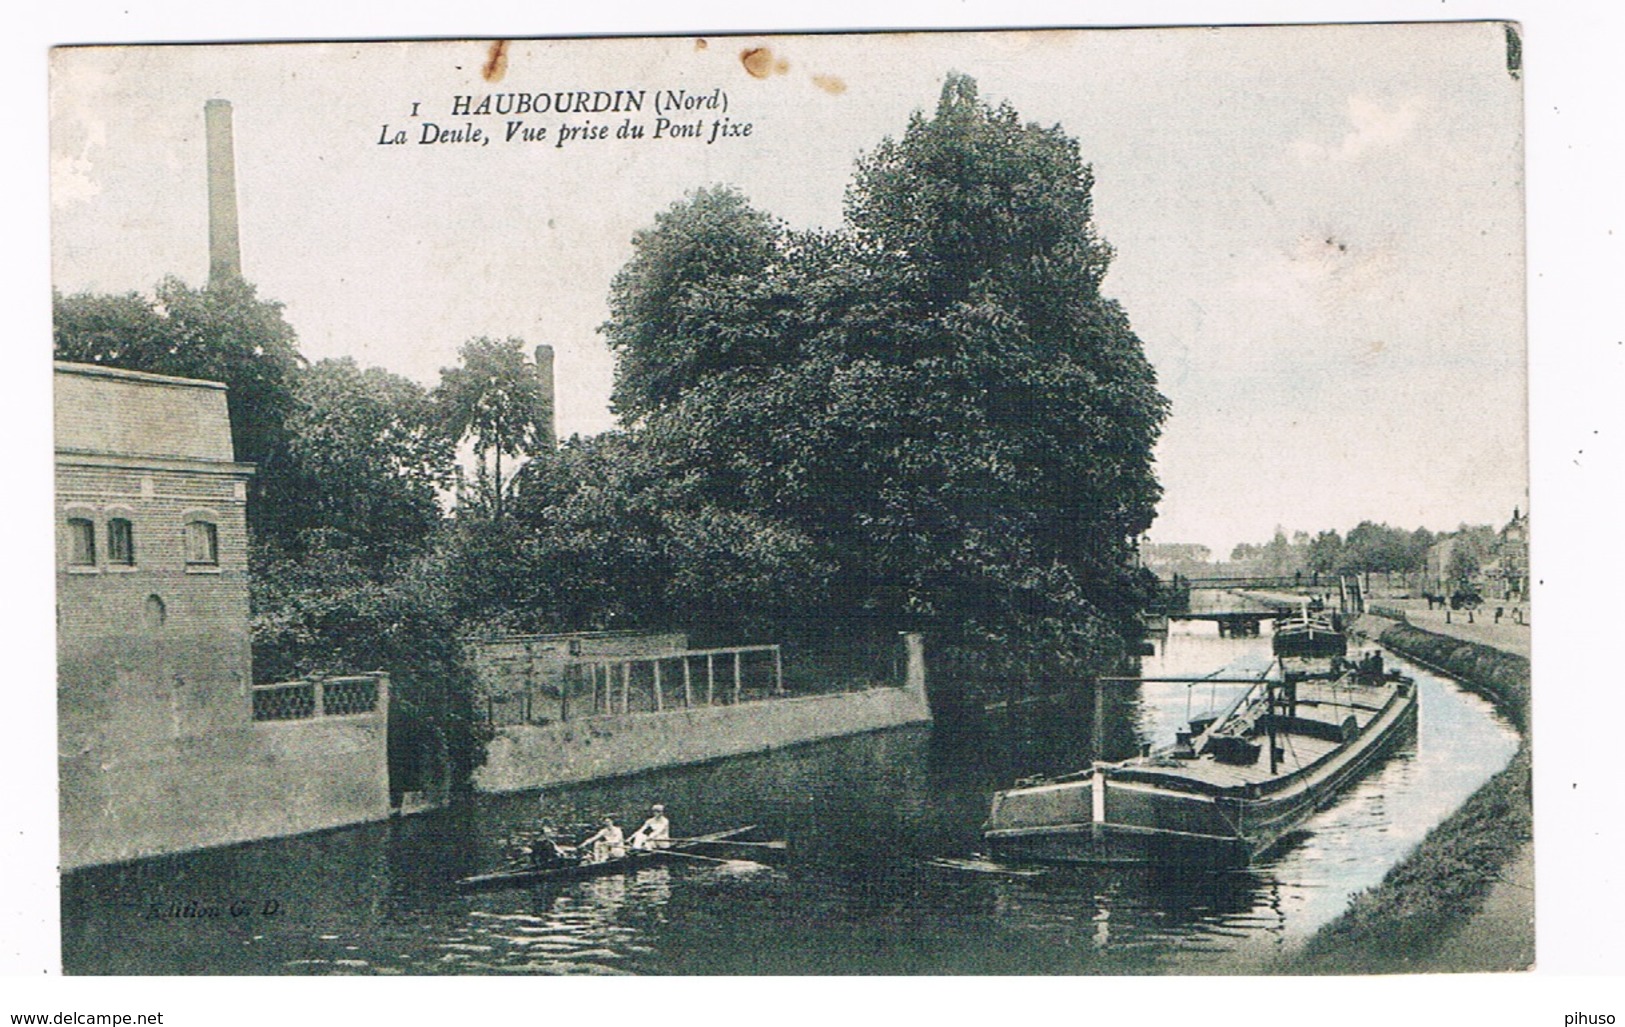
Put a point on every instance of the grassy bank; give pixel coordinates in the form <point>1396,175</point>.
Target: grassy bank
<point>1501,677</point>
<point>1400,925</point>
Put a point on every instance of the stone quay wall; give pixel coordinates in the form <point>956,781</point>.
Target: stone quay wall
<point>526,756</point>
<point>260,779</point>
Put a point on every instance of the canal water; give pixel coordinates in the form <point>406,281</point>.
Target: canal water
<point>881,876</point>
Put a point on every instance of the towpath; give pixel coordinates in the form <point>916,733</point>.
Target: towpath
<point>1501,934</point>
<point>1507,636</point>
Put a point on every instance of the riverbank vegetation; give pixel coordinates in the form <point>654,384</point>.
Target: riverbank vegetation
<point>1400,925</point>
<point>1368,549</point>
<point>1501,677</point>
<point>930,418</point>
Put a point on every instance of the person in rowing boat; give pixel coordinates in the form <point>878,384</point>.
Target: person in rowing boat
<point>609,843</point>
<point>544,852</point>
<point>655,832</point>
<point>547,852</point>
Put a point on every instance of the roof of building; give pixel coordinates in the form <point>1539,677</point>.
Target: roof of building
<point>115,412</point>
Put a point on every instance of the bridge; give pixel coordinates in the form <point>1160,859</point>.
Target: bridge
<point>1286,581</point>
<point>1238,605</point>
<point>1237,615</point>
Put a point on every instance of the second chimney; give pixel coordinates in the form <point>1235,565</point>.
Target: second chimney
<point>544,397</point>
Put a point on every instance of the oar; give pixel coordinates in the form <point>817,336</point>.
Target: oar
<point>694,856</point>
<point>726,841</point>
<point>524,862</point>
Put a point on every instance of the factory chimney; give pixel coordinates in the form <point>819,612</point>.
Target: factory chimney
<point>544,397</point>
<point>225,259</point>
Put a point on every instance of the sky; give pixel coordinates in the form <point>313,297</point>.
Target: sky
<point>1319,230</point>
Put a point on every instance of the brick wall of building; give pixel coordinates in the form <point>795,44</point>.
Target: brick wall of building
<point>152,647</point>
<point>158,748</point>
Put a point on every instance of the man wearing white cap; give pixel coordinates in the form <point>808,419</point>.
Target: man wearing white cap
<point>655,832</point>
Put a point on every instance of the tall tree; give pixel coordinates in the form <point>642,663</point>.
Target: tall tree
<point>684,305</point>
<point>492,397</point>
<point>977,201</point>
<point>370,458</point>
<point>1372,547</point>
<point>938,397</point>
<point>1421,541</point>
<point>1325,552</point>
<point>985,224</point>
<point>1463,565</point>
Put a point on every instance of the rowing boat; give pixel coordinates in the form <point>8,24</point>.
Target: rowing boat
<point>511,877</point>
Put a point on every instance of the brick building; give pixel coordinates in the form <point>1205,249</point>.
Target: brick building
<point>1512,558</point>
<point>152,559</point>
<point>164,743</point>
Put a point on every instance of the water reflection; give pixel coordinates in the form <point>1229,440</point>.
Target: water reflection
<point>590,927</point>
<point>864,887</point>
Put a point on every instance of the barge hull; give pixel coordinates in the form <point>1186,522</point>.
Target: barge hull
<point>1119,845</point>
<point>1102,820</point>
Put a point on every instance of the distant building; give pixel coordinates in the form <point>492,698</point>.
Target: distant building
<point>164,743</point>
<point>1511,568</point>
<point>1166,559</point>
<point>1500,559</point>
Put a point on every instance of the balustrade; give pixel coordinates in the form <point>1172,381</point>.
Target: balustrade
<point>320,697</point>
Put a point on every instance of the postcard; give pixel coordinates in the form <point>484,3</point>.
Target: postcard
<point>937,503</point>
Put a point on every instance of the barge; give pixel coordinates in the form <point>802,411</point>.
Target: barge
<point>1310,634</point>
<point>1231,786</point>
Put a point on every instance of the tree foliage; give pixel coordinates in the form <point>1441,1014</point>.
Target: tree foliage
<point>936,403</point>
<point>1368,548</point>
<point>1462,567</point>
<point>1325,553</point>
<point>370,457</point>
<point>492,397</point>
<point>685,306</point>
<point>223,332</point>
<point>1372,547</point>
<point>578,553</point>
<point>981,206</point>
<point>604,536</point>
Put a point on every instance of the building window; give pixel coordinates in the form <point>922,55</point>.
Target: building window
<point>202,544</point>
<point>82,542</point>
<point>153,613</point>
<point>121,542</point>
